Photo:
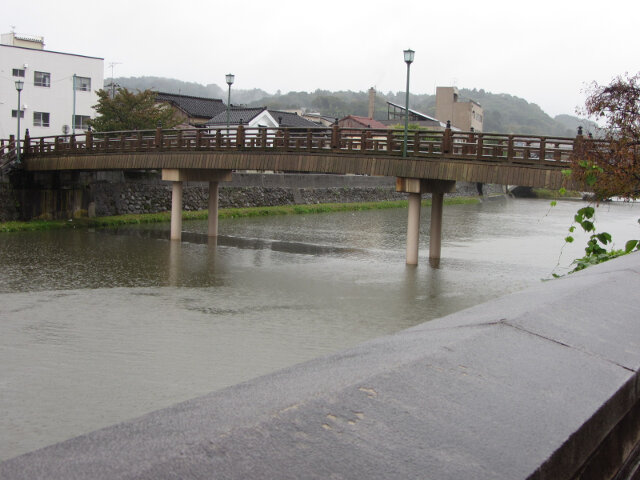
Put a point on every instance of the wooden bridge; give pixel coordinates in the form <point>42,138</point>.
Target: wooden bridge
<point>434,160</point>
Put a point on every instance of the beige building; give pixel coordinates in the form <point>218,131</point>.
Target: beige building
<point>465,115</point>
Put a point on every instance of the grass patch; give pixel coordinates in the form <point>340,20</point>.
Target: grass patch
<point>555,194</point>
<point>133,219</point>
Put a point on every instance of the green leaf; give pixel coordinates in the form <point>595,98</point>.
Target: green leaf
<point>572,228</point>
<point>553,203</point>
<point>630,245</point>
<point>568,239</point>
<point>562,190</point>
<point>588,226</point>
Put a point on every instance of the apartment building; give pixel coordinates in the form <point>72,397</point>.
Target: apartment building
<point>463,114</point>
<point>49,95</point>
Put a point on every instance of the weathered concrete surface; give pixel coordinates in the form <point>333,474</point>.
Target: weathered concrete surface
<point>527,386</point>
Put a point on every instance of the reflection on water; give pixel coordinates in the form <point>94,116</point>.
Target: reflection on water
<point>100,326</point>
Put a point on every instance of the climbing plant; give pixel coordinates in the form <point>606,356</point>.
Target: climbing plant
<point>610,168</point>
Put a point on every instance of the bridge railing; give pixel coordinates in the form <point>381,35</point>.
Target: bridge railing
<point>470,146</point>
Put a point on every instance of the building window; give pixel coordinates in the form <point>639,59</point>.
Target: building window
<point>14,113</point>
<point>18,72</point>
<point>81,122</point>
<point>83,83</point>
<point>42,79</point>
<point>40,119</point>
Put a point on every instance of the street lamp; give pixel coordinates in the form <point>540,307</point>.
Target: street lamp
<point>19,87</point>
<point>408,58</point>
<point>73,116</point>
<point>229,78</point>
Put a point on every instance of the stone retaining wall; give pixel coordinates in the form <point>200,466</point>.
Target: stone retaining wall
<point>66,194</point>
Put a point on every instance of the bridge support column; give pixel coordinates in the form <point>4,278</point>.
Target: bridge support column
<point>435,229</point>
<point>177,176</point>
<point>415,187</point>
<point>213,209</point>
<point>176,211</point>
<point>413,228</point>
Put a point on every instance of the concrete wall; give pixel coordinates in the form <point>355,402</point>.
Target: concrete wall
<point>68,194</point>
<point>541,384</point>
<point>57,99</point>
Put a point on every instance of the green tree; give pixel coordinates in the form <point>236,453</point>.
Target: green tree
<point>131,111</point>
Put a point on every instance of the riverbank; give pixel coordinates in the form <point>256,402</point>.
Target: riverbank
<point>132,219</point>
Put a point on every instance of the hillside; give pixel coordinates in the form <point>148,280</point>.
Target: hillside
<point>503,113</point>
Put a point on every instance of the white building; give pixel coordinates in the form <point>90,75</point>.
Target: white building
<point>47,98</point>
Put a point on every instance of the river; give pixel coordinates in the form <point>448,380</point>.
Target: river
<point>97,327</point>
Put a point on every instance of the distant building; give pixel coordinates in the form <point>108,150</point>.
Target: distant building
<point>194,111</point>
<point>354,121</point>
<point>260,117</point>
<point>47,97</point>
<point>396,115</point>
<point>464,115</point>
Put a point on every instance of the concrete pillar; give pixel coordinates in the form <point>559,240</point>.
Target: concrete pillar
<point>435,233</point>
<point>413,228</point>
<point>176,211</point>
<point>213,209</point>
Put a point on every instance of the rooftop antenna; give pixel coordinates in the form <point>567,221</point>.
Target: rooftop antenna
<point>113,86</point>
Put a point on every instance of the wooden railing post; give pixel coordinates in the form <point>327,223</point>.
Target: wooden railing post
<point>543,149</point>
<point>218,138</point>
<point>510,149</point>
<point>198,139</point>
<point>416,142</point>
<point>285,139</point>
<point>390,141</point>
<point>159,139</point>
<point>179,140</point>
<point>42,148</point>
<point>240,136</point>
<point>578,143</point>
<point>335,137</point>
<point>264,137</point>
<point>88,141</point>
<point>26,149</point>
<point>309,139</point>
<point>447,142</point>
<point>479,147</point>
<point>139,142</point>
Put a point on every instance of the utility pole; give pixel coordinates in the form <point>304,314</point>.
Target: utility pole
<point>113,85</point>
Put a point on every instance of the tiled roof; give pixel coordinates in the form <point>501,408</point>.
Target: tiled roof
<point>284,119</point>
<point>200,107</point>
<point>367,122</point>
<point>288,119</point>
<point>235,115</point>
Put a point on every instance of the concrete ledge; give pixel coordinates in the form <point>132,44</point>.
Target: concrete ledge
<point>541,384</point>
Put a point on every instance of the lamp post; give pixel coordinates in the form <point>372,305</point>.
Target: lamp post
<point>229,77</point>
<point>408,58</point>
<point>73,117</point>
<point>19,87</point>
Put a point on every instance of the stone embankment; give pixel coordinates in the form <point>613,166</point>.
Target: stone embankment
<point>540,384</point>
<point>64,195</point>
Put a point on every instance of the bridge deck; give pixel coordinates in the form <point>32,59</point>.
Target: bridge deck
<point>446,155</point>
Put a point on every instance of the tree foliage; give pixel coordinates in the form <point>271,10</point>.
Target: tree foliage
<point>131,111</point>
<point>612,167</point>
<point>609,165</point>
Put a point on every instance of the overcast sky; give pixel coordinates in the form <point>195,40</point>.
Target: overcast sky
<point>544,51</point>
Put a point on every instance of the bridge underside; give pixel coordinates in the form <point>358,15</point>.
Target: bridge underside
<point>438,169</point>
